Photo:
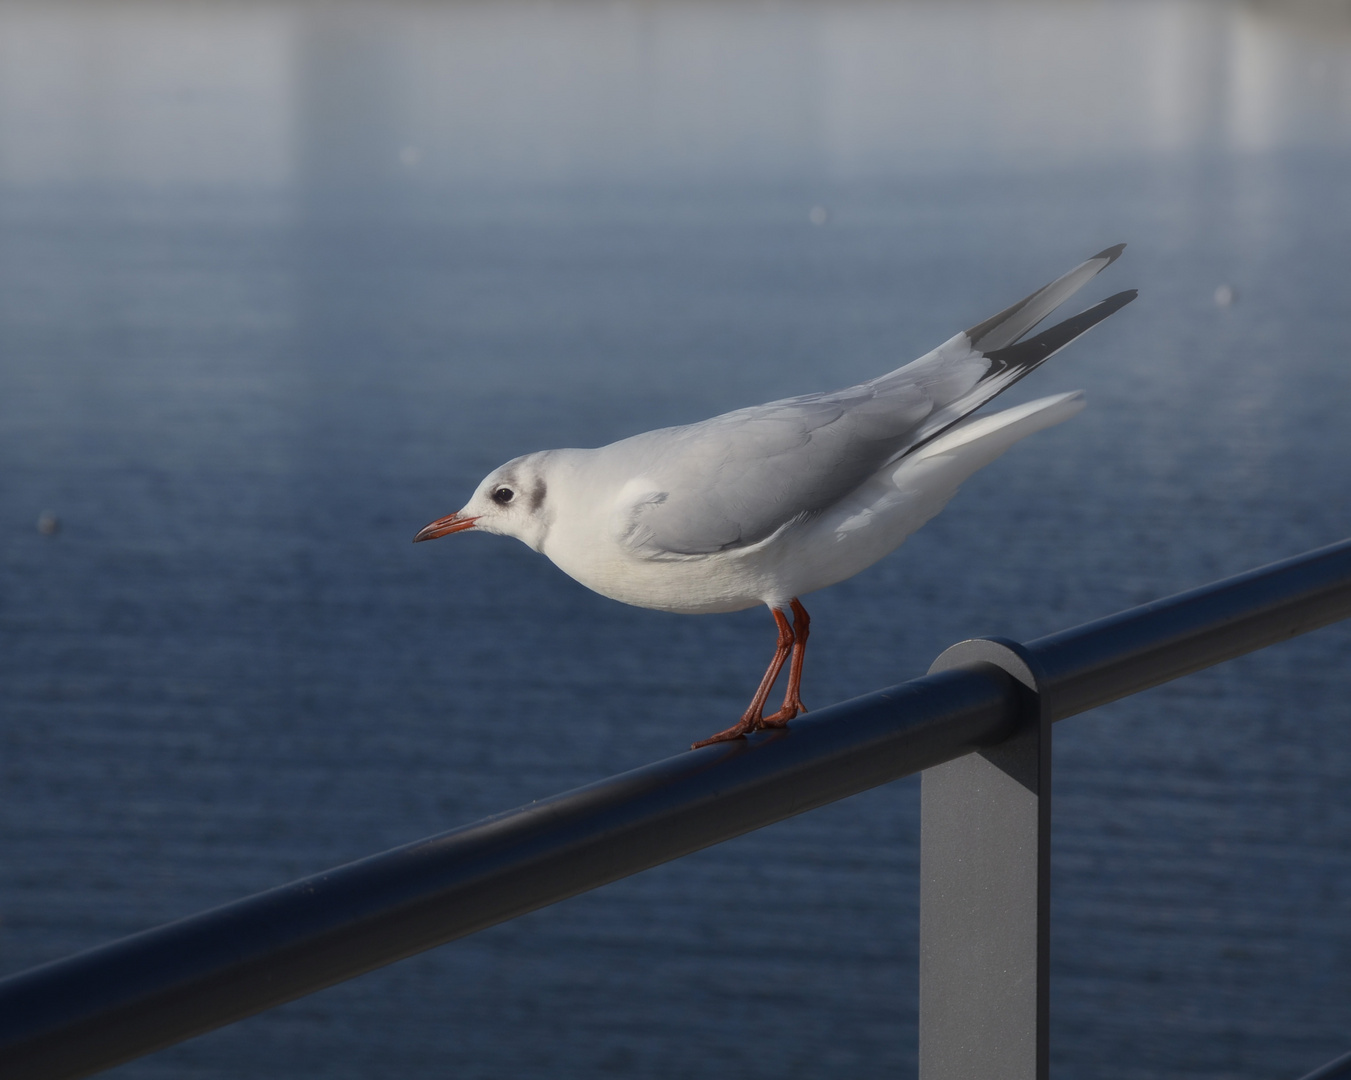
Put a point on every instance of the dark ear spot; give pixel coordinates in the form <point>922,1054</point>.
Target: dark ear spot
<point>537,494</point>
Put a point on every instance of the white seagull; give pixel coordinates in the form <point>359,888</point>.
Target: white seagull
<point>766,504</point>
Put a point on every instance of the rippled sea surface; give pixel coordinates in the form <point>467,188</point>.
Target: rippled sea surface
<point>279,284</point>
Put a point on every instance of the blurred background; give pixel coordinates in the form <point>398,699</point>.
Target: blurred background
<point>280,282</point>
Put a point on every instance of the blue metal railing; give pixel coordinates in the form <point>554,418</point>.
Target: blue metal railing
<point>108,1005</point>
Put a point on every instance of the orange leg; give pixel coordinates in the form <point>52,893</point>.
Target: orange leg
<point>792,640</point>
<point>792,698</point>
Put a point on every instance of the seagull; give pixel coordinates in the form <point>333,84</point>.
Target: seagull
<point>766,504</point>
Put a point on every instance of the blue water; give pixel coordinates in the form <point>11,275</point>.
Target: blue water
<point>242,396</point>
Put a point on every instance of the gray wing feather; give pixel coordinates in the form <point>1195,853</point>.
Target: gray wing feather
<point>736,479</point>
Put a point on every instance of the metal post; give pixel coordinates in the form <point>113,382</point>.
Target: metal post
<point>985,893</point>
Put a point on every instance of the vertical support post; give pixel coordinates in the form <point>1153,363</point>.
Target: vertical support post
<point>985,862</point>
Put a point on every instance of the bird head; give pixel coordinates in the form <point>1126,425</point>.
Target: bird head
<point>510,501</point>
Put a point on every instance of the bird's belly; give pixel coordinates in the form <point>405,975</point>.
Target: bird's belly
<point>692,585</point>
<point>794,563</point>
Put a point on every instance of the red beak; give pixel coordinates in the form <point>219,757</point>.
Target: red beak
<point>444,527</point>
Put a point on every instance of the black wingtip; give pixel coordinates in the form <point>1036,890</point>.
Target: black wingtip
<point>1063,333</point>
<point>1032,353</point>
<point>1116,301</point>
<point>1111,254</point>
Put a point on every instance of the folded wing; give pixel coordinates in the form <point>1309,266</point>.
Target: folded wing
<point>735,480</point>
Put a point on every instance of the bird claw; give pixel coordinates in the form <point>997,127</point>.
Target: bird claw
<point>777,720</point>
<point>736,731</point>
<point>791,708</point>
<point>745,725</point>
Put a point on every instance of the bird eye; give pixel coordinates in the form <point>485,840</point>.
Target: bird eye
<point>503,495</point>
